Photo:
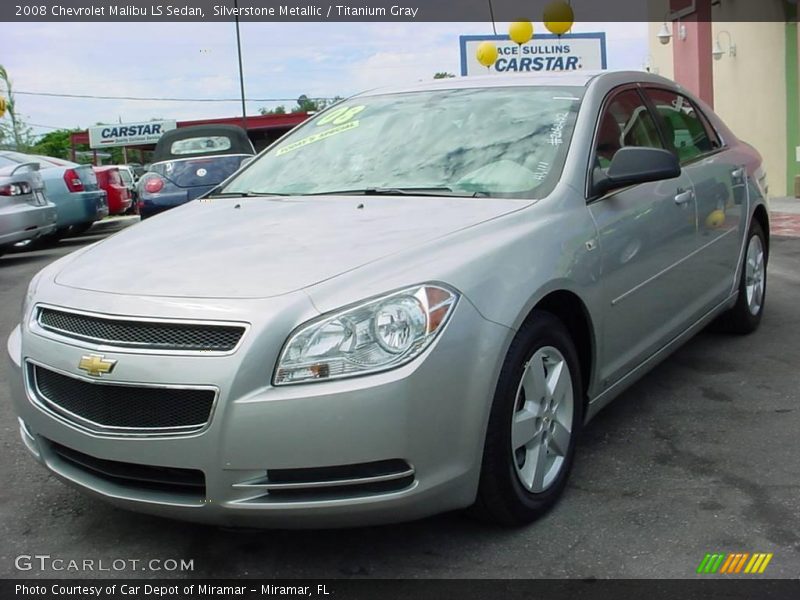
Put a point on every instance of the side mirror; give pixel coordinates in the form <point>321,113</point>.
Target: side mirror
<point>633,165</point>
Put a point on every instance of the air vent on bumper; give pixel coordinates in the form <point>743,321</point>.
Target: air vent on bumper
<point>330,483</point>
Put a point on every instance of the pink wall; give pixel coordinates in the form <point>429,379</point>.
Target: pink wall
<point>692,56</point>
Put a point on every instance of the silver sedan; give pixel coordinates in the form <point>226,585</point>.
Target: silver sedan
<point>409,304</point>
<point>25,212</point>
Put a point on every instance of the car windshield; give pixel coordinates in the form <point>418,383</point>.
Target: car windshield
<point>503,141</point>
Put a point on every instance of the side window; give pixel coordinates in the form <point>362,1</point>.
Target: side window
<point>625,122</point>
<point>684,126</point>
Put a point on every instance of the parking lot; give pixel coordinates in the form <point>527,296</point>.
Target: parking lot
<point>700,456</point>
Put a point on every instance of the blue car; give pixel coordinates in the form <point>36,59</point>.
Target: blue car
<point>190,161</point>
<point>72,188</point>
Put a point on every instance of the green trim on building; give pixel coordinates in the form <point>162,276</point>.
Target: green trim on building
<point>792,98</point>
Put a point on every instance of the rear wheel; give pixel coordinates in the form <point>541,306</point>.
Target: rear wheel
<point>81,228</point>
<point>745,316</point>
<point>534,422</point>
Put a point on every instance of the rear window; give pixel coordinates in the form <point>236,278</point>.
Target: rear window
<point>201,145</point>
<point>125,175</point>
<point>198,171</point>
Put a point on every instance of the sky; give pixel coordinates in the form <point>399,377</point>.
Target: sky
<point>198,60</point>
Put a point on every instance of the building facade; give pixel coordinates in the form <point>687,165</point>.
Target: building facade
<point>747,70</point>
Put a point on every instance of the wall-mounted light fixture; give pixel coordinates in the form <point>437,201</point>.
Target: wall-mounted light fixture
<point>664,34</point>
<point>717,52</point>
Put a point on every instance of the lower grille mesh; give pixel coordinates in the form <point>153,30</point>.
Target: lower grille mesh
<point>129,407</point>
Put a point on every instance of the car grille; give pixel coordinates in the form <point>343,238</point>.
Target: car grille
<point>184,482</point>
<point>123,408</point>
<point>330,483</point>
<point>141,334</point>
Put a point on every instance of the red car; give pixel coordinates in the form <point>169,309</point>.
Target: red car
<point>119,196</point>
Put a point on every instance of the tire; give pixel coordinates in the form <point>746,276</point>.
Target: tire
<point>80,228</point>
<point>512,491</point>
<point>745,316</point>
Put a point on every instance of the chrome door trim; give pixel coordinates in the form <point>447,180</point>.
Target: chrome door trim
<point>639,286</point>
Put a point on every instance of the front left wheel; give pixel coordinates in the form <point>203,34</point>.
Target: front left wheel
<point>533,426</point>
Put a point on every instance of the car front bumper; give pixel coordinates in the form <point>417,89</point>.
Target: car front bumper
<point>426,419</point>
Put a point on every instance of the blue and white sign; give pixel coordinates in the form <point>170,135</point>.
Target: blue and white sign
<point>545,53</point>
<point>128,134</point>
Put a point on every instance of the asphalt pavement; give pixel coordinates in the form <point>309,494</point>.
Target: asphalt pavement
<point>702,455</point>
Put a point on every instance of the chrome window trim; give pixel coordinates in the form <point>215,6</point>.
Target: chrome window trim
<point>65,416</point>
<point>35,326</point>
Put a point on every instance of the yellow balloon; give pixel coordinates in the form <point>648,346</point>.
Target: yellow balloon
<point>715,219</point>
<point>486,54</point>
<point>521,31</point>
<point>558,17</point>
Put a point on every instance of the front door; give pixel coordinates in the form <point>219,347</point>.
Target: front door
<point>647,233</point>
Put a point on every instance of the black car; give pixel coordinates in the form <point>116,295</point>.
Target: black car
<point>190,161</point>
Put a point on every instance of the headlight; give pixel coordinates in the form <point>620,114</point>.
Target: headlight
<point>377,335</point>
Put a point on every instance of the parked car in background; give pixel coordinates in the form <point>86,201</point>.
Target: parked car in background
<point>25,213</point>
<point>118,195</point>
<point>190,161</point>
<point>412,303</point>
<point>129,178</point>
<point>72,188</point>
<point>136,169</point>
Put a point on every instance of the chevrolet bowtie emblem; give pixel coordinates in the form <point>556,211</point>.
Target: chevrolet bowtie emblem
<point>96,364</point>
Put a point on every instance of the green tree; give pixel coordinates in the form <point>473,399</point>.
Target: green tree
<point>278,110</point>
<point>54,143</point>
<point>304,104</point>
<point>443,75</point>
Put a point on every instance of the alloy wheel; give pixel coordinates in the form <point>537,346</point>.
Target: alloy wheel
<point>541,429</point>
<point>754,274</point>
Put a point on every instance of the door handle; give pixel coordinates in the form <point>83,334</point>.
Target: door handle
<point>684,197</point>
<point>738,174</point>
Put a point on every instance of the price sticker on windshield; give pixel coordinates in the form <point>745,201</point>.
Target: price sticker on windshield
<point>340,116</point>
<point>317,137</point>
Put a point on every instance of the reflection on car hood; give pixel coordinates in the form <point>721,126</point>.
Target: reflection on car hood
<point>259,247</point>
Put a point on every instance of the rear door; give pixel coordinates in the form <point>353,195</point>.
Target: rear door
<point>719,177</point>
<point>647,232</point>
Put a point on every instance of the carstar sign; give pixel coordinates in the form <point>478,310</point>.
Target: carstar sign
<point>124,134</point>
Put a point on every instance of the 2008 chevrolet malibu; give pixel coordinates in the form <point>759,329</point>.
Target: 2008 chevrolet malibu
<point>410,304</point>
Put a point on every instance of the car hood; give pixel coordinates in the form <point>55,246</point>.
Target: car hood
<point>262,247</point>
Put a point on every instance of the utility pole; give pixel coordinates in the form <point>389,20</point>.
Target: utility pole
<point>124,148</point>
<point>241,72</point>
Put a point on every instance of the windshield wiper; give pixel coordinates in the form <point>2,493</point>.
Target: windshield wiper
<point>243,194</point>
<point>397,191</point>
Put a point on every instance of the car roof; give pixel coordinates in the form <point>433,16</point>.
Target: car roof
<point>564,79</point>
